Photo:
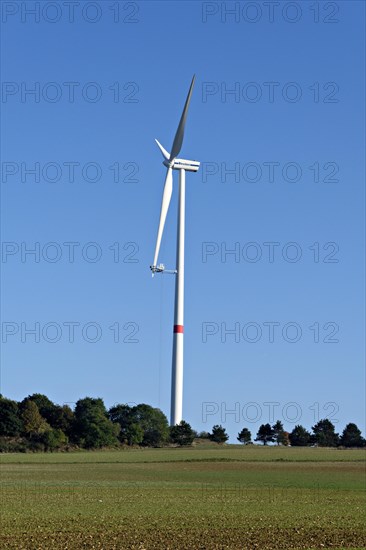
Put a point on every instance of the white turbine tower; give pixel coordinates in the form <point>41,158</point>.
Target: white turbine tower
<point>173,163</point>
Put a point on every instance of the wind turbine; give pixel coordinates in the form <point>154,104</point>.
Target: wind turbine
<point>173,163</point>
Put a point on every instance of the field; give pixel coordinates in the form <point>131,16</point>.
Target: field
<point>200,498</point>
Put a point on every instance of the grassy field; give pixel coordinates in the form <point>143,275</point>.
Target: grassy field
<point>201,498</point>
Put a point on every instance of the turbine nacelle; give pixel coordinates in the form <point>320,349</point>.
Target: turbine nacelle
<point>182,164</point>
<point>188,165</point>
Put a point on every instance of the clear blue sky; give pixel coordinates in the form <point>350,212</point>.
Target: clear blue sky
<point>298,80</point>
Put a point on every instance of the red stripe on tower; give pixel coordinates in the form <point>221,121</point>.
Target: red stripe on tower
<point>179,328</point>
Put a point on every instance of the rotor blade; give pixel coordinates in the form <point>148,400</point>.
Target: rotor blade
<point>164,152</point>
<point>167,195</point>
<point>178,140</point>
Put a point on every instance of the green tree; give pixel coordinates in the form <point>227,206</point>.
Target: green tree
<point>62,418</point>
<point>278,432</point>
<point>324,434</point>
<point>54,439</point>
<point>265,434</point>
<point>57,417</point>
<point>44,404</point>
<point>283,438</point>
<point>134,434</point>
<point>244,436</point>
<point>121,414</point>
<point>299,437</point>
<point>154,424</point>
<point>219,434</point>
<point>182,434</point>
<point>351,436</point>
<point>92,427</point>
<point>33,422</point>
<point>10,422</point>
<point>140,425</point>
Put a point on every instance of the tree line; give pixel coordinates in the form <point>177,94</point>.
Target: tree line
<point>323,435</point>
<point>38,424</point>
